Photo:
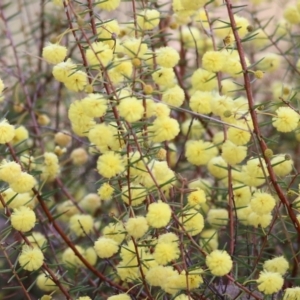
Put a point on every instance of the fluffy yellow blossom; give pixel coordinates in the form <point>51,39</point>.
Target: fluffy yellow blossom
<point>72,260</point>
<point>115,231</point>
<point>9,171</point>
<point>99,54</point>
<point>7,132</point>
<point>81,225</point>
<point>193,128</point>
<point>200,152</point>
<point>269,62</point>
<point>108,5</point>
<point>21,134</point>
<point>292,14</point>
<point>148,19</point>
<point>165,252</point>
<point>23,183</point>
<point>45,283</point>
<point>262,203</point>
<point>192,5</point>
<point>277,265</point>
<point>134,47</point>
<point>121,71</point>
<point>229,87</point>
<point>37,239</point>
<point>154,109</point>
<point>54,53</point>
<point>218,167</point>
<point>286,120</point>
<point>94,105</point>
<point>62,70</point>
<point>90,203</point>
<point>192,221</point>
<point>233,65</point>
<point>269,282</point>
<point>105,191</point>
<point>23,219</point>
<point>131,109</point>
<point>196,198</point>
<point>253,174</point>
<point>213,61</point>
<point>135,195</point>
<point>217,217</point>
<point>173,96</point>
<point>79,156</point>
<point>163,129</point>
<point>292,293</point>
<point>157,275</point>
<point>232,153</point>
<point>110,164</point>
<point>219,262</point>
<point>137,227</point>
<point>76,81</point>
<point>119,297</point>
<point>209,240</point>
<point>31,258</point>
<point>106,247</point>
<point>159,214</point>
<point>14,200</point>
<point>239,135</point>
<point>220,104</point>
<point>204,80</point>
<point>167,57</point>
<point>106,29</point>
<point>200,102</point>
<point>164,77</point>
<point>190,35</point>
<point>256,220</point>
<point>242,195</point>
<point>50,168</point>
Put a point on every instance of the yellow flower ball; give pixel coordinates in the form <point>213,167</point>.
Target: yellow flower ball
<point>50,168</point>
<point>106,247</point>
<point>105,192</point>
<point>200,102</point>
<point>173,96</point>
<point>209,240</point>
<point>94,105</point>
<point>131,109</point>
<point>268,62</point>
<point>167,57</point>
<point>134,47</point>
<point>239,135</point>
<point>217,217</point>
<point>242,195</point>
<point>148,19</point>
<point>166,252</point>
<point>37,239</point>
<point>9,171</point>
<point>31,258</point>
<point>115,231</point>
<point>269,282</point>
<point>232,153</point>
<point>7,132</point>
<point>71,259</point>
<point>213,61</point>
<point>156,276</point>
<point>193,128</point>
<point>21,134</point>
<point>292,293</point>
<point>108,5</point>
<point>23,183</point>
<point>23,219</point>
<point>76,81</point>
<point>192,221</point>
<point>200,152</point>
<point>204,80</point>
<point>110,164</point>
<point>79,156</point>
<point>163,129</point>
<point>196,198</point>
<point>62,70</point>
<point>81,225</point>
<point>286,120</point>
<point>256,220</point>
<point>90,203</point>
<point>135,195</point>
<point>45,283</point>
<point>159,214</point>
<point>292,14</point>
<point>164,77</point>
<point>137,227</point>
<point>277,265</point>
<point>262,203</point>
<point>219,262</point>
<point>218,167</point>
<point>54,53</point>
<point>99,54</point>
